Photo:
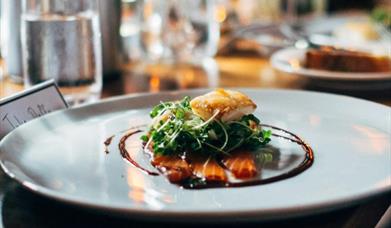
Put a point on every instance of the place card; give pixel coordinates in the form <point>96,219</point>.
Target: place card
<point>29,104</point>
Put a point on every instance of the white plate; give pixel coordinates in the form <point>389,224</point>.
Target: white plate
<point>291,60</point>
<point>62,156</point>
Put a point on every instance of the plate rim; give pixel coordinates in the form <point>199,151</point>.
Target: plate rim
<point>207,216</point>
<point>276,62</point>
<point>194,215</point>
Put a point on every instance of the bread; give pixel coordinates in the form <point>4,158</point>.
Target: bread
<point>332,59</point>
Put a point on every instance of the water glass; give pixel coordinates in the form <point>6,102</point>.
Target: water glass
<point>61,40</point>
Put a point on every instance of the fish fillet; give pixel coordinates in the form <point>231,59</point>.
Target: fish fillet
<point>208,168</point>
<point>241,164</point>
<point>230,105</point>
<point>175,168</point>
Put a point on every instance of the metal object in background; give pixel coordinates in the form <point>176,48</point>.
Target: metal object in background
<point>110,20</point>
<point>61,40</point>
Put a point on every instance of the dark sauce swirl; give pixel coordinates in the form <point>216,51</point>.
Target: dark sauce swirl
<point>107,143</point>
<point>197,183</point>
<point>125,153</point>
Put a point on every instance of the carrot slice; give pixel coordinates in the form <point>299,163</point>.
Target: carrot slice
<point>241,164</point>
<point>208,168</point>
<point>173,167</point>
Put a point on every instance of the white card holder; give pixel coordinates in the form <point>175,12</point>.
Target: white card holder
<point>29,104</point>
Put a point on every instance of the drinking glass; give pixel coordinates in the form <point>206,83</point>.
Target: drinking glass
<point>11,52</point>
<point>61,40</point>
<point>178,30</point>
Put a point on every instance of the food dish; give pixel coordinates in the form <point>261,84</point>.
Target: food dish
<point>62,156</point>
<point>342,60</point>
<point>291,60</point>
<point>211,141</point>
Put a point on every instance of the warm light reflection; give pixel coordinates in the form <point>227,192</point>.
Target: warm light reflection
<point>139,192</point>
<point>148,9</point>
<point>154,83</point>
<point>220,14</point>
<point>376,142</point>
<point>186,77</point>
<point>384,183</point>
<point>295,64</point>
<point>135,180</point>
<point>136,183</point>
<point>189,75</point>
<point>267,75</point>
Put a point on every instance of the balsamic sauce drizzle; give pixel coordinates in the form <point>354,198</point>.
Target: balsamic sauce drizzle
<point>188,184</point>
<point>107,143</point>
<point>125,153</point>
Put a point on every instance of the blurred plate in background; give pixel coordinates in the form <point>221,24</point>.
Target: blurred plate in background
<point>291,60</point>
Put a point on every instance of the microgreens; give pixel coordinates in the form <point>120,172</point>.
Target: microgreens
<point>176,129</point>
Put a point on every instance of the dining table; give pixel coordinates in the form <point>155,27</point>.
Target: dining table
<point>20,207</point>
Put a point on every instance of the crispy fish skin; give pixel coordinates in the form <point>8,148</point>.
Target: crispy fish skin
<point>231,105</point>
<point>207,168</point>
<point>241,164</point>
<point>173,167</point>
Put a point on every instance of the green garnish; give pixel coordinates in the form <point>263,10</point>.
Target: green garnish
<point>382,15</point>
<point>177,129</point>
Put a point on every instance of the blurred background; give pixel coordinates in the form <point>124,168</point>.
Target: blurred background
<point>152,45</point>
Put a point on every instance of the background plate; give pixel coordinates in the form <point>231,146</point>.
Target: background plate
<point>291,60</point>
<point>62,156</point>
